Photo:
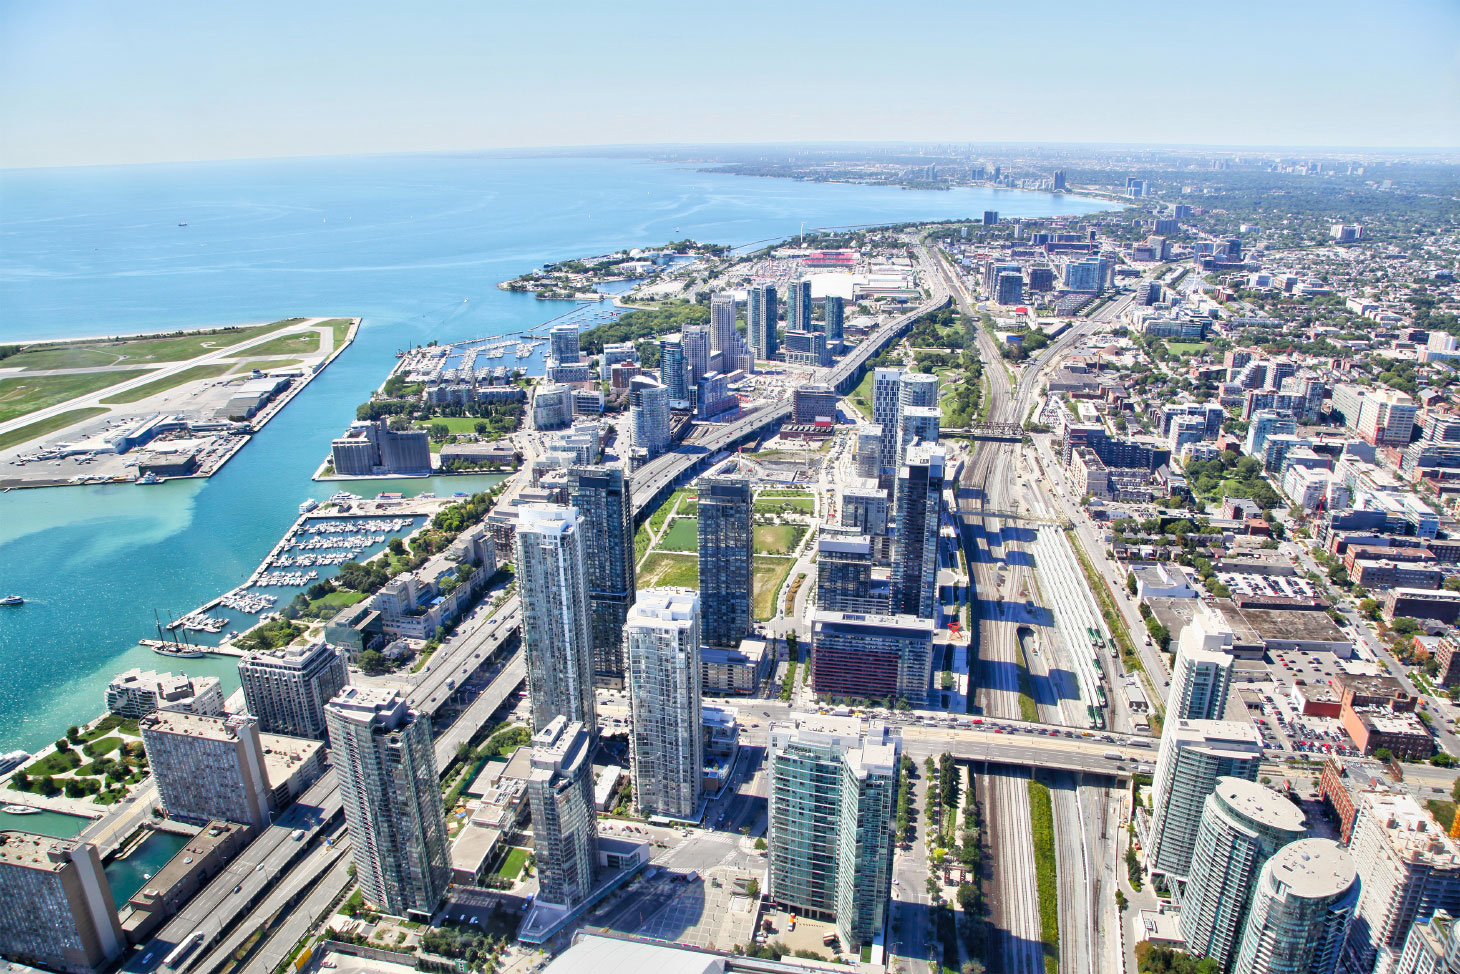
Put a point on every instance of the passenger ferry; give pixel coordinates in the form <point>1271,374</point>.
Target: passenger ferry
<point>309,504</point>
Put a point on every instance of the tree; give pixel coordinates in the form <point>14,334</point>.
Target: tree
<point>440,431</point>
<point>1369,608</point>
<point>63,745</point>
<point>397,547</point>
<point>752,888</point>
<point>1405,626</point>
<point>1130,582</point>
<point>73,734</point>
<point>971,967</point>
<point>760,845</point>
<point>373,662</point>
<point>481,427</point>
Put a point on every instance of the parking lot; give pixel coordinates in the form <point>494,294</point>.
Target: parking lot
<point>1252,583</point>
<point>1276,704</point>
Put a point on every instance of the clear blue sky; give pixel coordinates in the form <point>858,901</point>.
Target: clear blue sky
<point>101,81</point>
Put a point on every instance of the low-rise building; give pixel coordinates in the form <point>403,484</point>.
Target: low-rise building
<point>1342,784</point>
<point>166,892</point>
<point>734,671</point>
<point>138,692</point>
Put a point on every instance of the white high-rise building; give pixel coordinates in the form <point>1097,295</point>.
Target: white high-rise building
<point>1242,825</point>
<point>1194,754</point>
<point>1300,911</point>
<point>287,689</point>
<point>662,647</point>
<point>564,820</point>
<point>391,793</point>
<point>1202,675</point>
<point>648,415</point>
<point>552,582</point>
<point>1409,868</point>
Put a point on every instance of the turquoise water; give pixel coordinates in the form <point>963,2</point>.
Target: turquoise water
<point>60,825</point>
<point>414,245</point>
<point>126,876</point>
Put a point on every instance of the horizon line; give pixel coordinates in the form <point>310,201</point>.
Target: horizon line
<point>588,148</point>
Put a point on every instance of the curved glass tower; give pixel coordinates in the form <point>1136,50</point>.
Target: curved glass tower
<point>1300,912</point>
<point>1242,825</point>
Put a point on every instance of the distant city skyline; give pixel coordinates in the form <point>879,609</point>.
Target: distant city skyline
<point>91,83</point>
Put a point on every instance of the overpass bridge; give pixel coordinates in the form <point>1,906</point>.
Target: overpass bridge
<point>1000,432</point>
<point>657,479</point>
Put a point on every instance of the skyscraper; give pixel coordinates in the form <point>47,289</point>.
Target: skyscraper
<point>552,581</point>
<point>722,322</point>
<point>602,498</point>
<point>798,306</point>
<point>1409,868</point>
<point>835,317</point>
<point>886,399</point>
<point>207,768</point>
<point>990,217</point>
<point>648,415</point>
<point>918,505</point>
<point>1300,910</point>
<point>844,582</point>
<point>761,313</point>
<point>697,349</point>
<point>563,347</point>
<point>726,550</point>
<point>564,822</point>
<point>56,907</point>
<point>1059,180</point>
<point>1202,674</point>
<point>918,415</point>
<point>831,809</point>
<point>391,793</point>
<point>1242,825</point>
<point>673,370</point>
<point>1193,755</point>
<point>662,645</point>
<point>286,689</point>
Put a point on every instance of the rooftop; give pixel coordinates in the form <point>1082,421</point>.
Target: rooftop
<point>1313,868</point>
<point>1260,803</point>
<point>34,851</point>
<point>1411,832</point>
<point>223,728</point>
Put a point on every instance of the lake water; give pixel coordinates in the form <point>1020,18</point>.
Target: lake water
<point>414,245</point>
<point>126,876</point>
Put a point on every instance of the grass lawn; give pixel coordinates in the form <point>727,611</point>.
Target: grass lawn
<point>101,747</point>
<point>264,365</point>
<point>139,350</point>
<point>57,762</point>
<point>1186,348</point>
<point>457,424</point>
<point>42,427</point>
<point>790,505</point>
<point>1444,812</point>
<point>767,576</point>
<point>662,570</point>
<point>862,395</point>
<point>25,394</point>
<point>778,539</point>
<point>210,371</point>
<point>512,863</point>
<point>683,535</point>
<point>303,343</point>
<point>341,327</point>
